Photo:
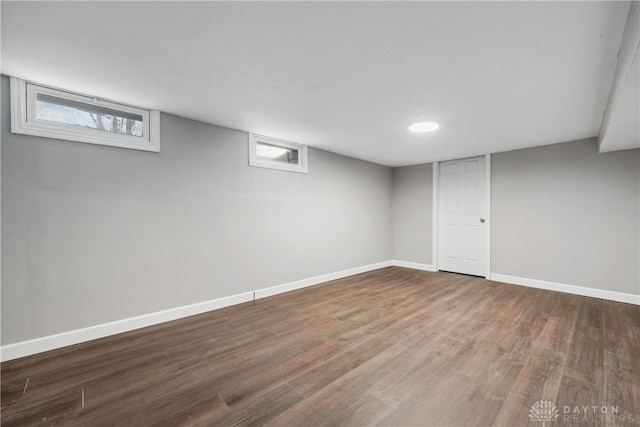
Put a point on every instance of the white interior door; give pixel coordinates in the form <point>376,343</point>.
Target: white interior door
<point>462,229</point>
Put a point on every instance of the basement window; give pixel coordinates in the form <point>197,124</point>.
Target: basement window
<point>53,113</point>
<point>271,153</point>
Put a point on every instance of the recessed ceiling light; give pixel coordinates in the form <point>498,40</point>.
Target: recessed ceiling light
<point>424,127</point>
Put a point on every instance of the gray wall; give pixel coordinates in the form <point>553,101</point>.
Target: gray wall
<point>412,214</point>
<point>92,234</point>
<point>564,213</point>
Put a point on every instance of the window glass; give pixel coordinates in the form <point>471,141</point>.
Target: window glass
<point>272,153</point>
<point>276,153</point>
<point>65,111</point>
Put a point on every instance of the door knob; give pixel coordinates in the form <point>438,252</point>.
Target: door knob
<point>482,220</point>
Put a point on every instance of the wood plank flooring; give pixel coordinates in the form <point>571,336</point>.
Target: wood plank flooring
<point>390,347</point>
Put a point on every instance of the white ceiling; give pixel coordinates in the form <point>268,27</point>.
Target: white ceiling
<point>345,77</point>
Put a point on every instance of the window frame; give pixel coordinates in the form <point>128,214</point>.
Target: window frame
<point>254,160</point>
<point>23,119</point>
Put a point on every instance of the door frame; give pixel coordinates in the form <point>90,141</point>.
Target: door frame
<point>435,210</point>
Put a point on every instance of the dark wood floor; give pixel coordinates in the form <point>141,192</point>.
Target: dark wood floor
<point>390,347</point>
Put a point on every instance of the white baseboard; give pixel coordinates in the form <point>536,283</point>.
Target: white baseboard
<point>414,265</point>
<point>570,289</point>
<point>298,284</point>
<point>52,342</point>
